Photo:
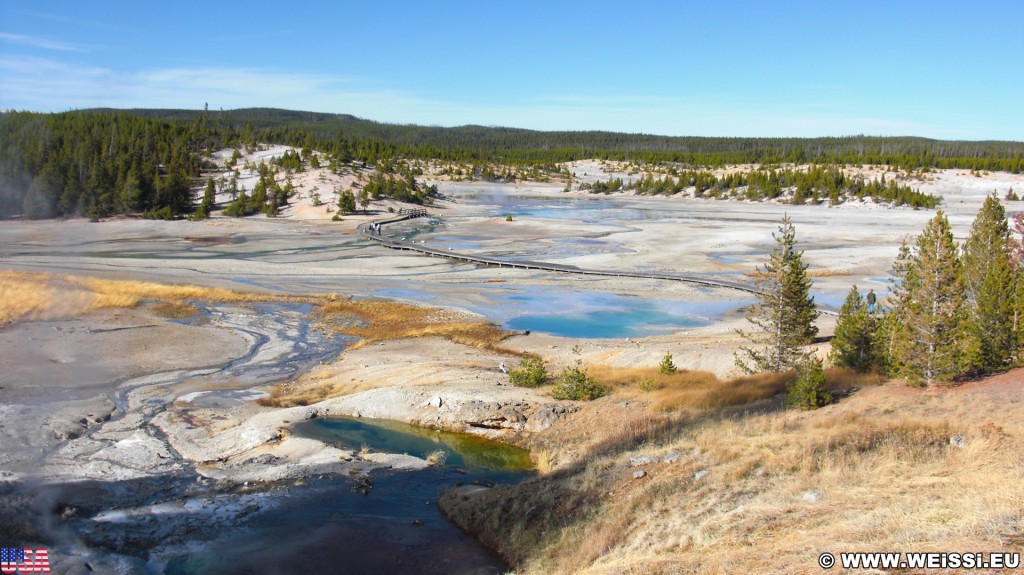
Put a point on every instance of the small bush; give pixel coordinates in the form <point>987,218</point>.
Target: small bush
<point>808,390</point>
<point>666,367</point>
<point>576,384</point>
<point>508,218</point>
<point>531,373</point>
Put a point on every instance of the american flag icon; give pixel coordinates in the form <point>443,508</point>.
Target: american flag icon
<point>23,560</point>
<point>10,558</point>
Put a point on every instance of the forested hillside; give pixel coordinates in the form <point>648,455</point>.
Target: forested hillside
<point>95,164</point>
<point>468,143</point>
<point>104,162</point>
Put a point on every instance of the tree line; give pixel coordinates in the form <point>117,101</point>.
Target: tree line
<point>469,144</point>
<point>105,162</point>
<point>952,312</point>
<point>94,164</point>
<point>813,186</point>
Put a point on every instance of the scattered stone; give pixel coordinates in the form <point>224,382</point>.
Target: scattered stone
<point>264,459</point>
<point>640,474</point>
<point>812,496</point>
<point>436,401</point>
<point>672,457</point>
<point>541,420</point>
<point>700,475</point>
<point>638,460</point>
<point>957,441</point>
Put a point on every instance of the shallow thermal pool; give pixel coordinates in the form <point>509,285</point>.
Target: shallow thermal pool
<point>460,450</point>
<point>584,314</point>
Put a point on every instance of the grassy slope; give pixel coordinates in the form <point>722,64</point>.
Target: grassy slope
<point>881,460</point>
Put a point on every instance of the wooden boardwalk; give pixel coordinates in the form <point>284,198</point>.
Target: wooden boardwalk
<point>407,214</point>
<point>396,244</point>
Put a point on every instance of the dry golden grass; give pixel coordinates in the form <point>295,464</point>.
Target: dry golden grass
<point>381,320</point>
<point>689,389</point>
<point>37,296</point>
<point>812,273</point>
<point>175,310</point>
<point>23,296</point>
<point>34,296</point>
<point>880,459</point>
<point>703,390</point>
<point>126,291</point>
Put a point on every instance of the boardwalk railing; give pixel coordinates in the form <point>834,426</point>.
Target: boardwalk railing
<point>397,244</point>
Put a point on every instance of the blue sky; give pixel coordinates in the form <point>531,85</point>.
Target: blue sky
<point>938,69</point>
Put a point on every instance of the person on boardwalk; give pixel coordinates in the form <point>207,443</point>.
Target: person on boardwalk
<point>871,300</point>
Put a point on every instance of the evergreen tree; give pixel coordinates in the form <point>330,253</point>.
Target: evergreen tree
<point>346,202</point>
<point>853,344</point>
<point>785,314</point>
<point>364,199</point>
<point>887,325</point>
<point>807,390</point>
<point>927,344</point>
<point>667,367</point>
<point>990,289</point>
<point>203,211</point>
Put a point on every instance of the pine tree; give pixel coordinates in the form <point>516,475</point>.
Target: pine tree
<point>784,317</point>
<point>990,289</point>
<point>203,211</point>
<point>346,202</point>
<point>853,344</point>
<point>364,199</point>
<point>667,367</point>
<point>887,325</point>
<point>808,390</point>
<point>1015,247</point>
<point>927,345</point>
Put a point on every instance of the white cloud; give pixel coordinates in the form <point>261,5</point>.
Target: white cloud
<point>37,42</point>
<point>40,84</point>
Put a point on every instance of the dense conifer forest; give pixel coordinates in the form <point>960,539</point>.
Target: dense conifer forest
<point>468,143</point>
<point>103,162</point>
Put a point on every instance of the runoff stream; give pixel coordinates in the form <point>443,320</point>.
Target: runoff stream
<point>387,523</point>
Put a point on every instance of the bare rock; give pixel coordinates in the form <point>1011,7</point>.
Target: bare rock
<point>264,459</point>
<point>700,475</point>
<point>541,420</point>
<point>958,441</point>
<point>811,496</point>
<point>436,401</point>
<point>638,460</point>
<point>639,474</point>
